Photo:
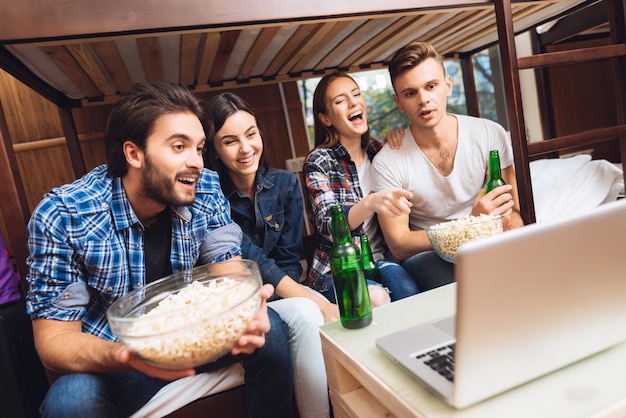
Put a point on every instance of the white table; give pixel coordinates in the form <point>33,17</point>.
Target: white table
<point>363,382</point>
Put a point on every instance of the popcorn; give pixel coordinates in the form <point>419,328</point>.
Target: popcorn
<point>195,325</point>
<point>447,237</point>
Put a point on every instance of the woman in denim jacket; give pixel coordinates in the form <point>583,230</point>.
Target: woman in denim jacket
<point>267,204</point>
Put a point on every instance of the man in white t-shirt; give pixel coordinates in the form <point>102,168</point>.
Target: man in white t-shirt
<point>443,161</point>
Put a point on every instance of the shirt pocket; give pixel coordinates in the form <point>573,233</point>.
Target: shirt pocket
<point>274,225</point>
<point>107,267</point>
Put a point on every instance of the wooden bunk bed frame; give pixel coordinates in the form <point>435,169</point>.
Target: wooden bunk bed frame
<point>81,38</point>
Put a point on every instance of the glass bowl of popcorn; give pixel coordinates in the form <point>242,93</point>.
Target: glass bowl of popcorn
<point>189,318</point>
<point>447,237</point>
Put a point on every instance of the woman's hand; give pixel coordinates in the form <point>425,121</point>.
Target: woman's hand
<point>394,138</point>
<point>330,311</point>
<point>390,203</point>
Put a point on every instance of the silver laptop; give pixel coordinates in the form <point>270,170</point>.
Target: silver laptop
<point>529,301</point>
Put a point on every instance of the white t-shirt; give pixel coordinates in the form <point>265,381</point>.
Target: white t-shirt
<point>437,198</point>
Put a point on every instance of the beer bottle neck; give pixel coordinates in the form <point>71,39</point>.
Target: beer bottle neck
<point>339,226</point>
<point>494,166</point>
<point>366,251</point>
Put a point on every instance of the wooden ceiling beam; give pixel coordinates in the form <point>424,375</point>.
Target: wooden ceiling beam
<point>311,43</point>
<point>150,53</point>
<point>299,37</point>
<point>189,51</point>
<point>27,19</point>
<point>260,44</point>
<point>84,56</point>
<point>112,60</point>
<point>66,62</point>
<point>208,47</point>
<point>349,44</point>
<point>224,50</point>
<point>376,45</point>
<point>320,39</point>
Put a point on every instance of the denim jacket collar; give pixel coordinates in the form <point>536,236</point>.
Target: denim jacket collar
<point>229,189</point>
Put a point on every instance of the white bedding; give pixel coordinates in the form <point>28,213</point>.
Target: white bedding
<point>567,186</point>
<point>183,391</point>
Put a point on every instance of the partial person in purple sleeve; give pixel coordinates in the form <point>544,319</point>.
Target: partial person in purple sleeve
<point>9,281</point>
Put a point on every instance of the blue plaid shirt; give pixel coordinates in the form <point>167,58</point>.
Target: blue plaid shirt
<point>331,179</point>
<point>87,250</point>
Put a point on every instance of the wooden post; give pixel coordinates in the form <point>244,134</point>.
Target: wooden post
<point>617,22</point>
<point>469,85</point>
<point>515,112</point>
<point>13,201</point>
<point>71,140</point>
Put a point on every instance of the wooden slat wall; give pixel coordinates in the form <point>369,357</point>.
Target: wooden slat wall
<point>41,150</point>
<point>31,118</point>
<point>584,96</point>
<point>266,102</point>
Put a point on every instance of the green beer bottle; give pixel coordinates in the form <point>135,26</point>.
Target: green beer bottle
<point>370,267</point>
<point>494,178</point>
<point>346,267</point>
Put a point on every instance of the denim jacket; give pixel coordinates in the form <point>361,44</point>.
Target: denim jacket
<point>273,224</point>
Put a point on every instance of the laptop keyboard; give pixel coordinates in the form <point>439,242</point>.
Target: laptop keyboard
<point>440,360</point>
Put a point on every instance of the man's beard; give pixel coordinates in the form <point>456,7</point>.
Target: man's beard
<point>160,188</point>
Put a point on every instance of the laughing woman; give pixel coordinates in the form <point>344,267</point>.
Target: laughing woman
<point>338,173</point>
<point>267,204</point>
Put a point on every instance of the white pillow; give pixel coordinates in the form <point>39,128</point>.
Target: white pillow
<point>564,187</point>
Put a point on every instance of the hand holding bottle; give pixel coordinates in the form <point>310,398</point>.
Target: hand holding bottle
<point>495,199</point>
<point>497,202</point>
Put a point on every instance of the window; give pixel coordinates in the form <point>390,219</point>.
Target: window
<point>489,85</point>
<point>383,114</point>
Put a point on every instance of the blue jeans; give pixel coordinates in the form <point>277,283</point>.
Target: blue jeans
<point>303,318</point>
<point>268,376</point>
<point>400,283</point>
<point>429,270</point>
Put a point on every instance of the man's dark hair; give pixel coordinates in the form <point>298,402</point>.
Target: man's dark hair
<point>133,117</point>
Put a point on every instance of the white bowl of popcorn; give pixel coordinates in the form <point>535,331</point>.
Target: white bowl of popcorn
<point>447,237</point>
<point>189,318</point>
